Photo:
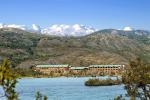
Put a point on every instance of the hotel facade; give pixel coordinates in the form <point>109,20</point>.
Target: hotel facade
<point>96,70</point>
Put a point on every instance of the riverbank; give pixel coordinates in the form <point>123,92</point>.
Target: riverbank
<point>89,77</point>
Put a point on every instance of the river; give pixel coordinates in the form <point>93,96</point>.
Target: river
<point>66,89</point>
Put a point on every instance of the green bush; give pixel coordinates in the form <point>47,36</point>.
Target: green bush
<point>98,82</point>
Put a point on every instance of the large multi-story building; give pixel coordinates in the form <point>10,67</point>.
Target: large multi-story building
<point>92,69</point>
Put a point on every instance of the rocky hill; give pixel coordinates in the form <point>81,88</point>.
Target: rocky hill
<point>107,46</point>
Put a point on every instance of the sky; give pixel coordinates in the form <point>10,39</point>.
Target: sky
<point>97,13</point>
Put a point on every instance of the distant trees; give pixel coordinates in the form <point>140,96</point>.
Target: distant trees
<point>99,82</point>
<point>26,72</point>
<point>137,80</point>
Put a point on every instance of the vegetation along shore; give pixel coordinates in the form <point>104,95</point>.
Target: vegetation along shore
<point>100,82</point>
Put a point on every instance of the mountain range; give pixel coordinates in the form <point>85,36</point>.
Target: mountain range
<point>58,30</point>
<point>107,46</point>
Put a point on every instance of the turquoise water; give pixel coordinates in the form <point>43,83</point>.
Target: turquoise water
<point>66,89</point>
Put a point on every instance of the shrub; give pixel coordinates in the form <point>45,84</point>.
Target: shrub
<point>98,82</point>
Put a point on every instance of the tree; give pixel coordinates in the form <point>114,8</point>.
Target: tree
<point>8,81</point>
<point>119,98</point>
<point>39,96</point>
<point>137,80</point>
<point>45,97</point>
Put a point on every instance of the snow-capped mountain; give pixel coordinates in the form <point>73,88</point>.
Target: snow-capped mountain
<point>58,30</point>
<point>127,29</point>
<point>36,28</point>
<point>68,30</point>
<point>22,27</point>
<point>33,28</point>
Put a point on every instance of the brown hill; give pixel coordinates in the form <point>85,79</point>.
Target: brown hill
<point>103,47</point>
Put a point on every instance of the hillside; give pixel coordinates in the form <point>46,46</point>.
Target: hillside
<point>108,46</point>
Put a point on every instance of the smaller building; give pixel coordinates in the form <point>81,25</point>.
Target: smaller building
<point>49,69</point>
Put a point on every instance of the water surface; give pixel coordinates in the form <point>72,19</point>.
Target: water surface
<point>66,89</point>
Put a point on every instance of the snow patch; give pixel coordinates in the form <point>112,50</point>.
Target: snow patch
<point>127,29</point>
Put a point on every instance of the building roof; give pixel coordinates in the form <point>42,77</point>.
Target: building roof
<point>61,65</point>
<point>78,68</point>
<point>105,65</point>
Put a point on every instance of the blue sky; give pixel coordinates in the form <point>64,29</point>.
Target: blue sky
<point>97,13</point>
